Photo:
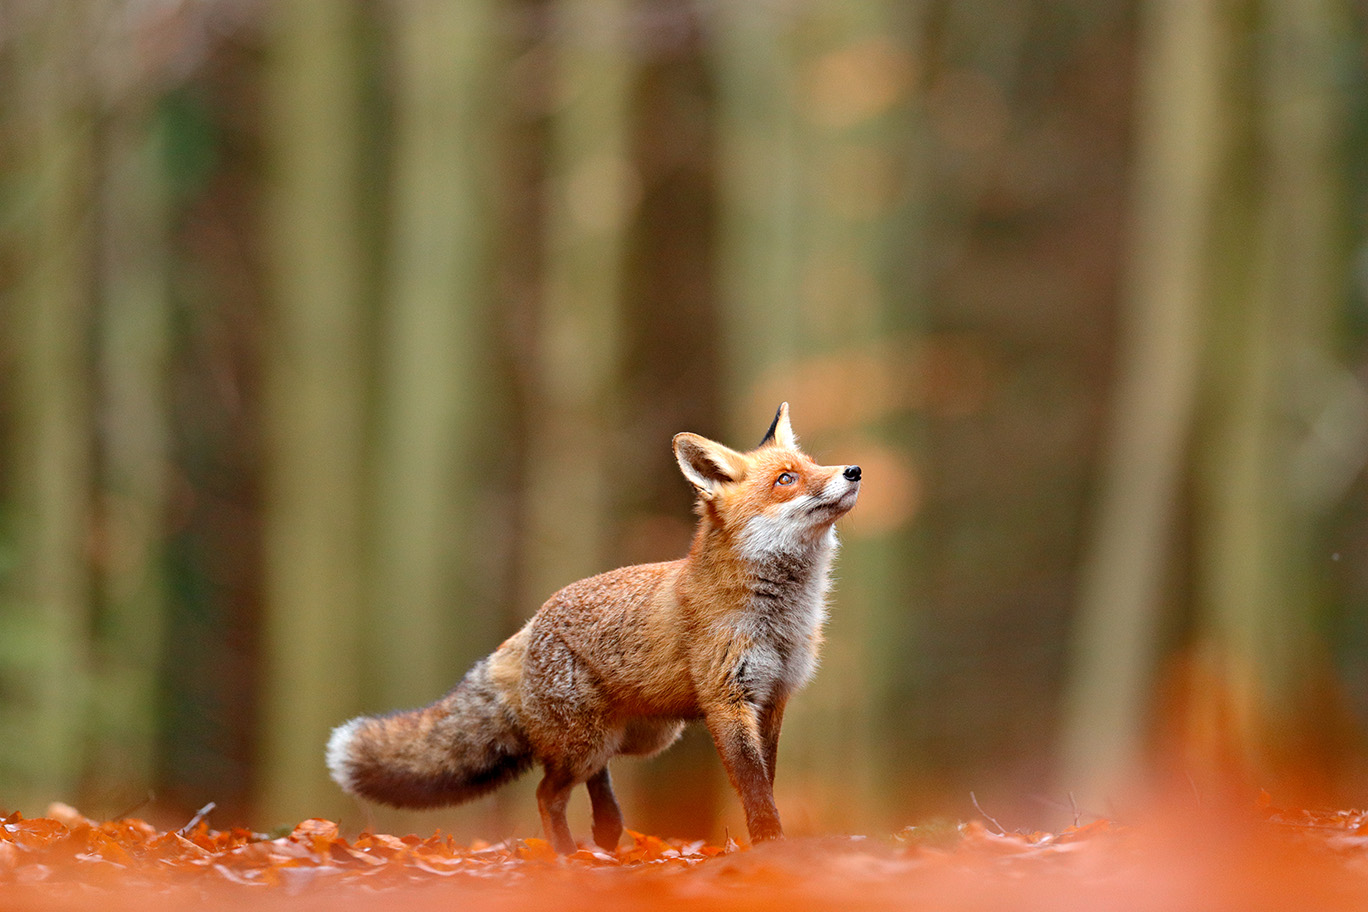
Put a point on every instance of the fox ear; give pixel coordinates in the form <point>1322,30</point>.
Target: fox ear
<point>706,463</point>
<point>780,432</point>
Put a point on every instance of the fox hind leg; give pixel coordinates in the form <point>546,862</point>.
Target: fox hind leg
<point>641,737</point>
<point>607,814</point>
<point>553,793</point>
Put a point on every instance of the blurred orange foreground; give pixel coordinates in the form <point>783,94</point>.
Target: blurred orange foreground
<point>1262,858</point>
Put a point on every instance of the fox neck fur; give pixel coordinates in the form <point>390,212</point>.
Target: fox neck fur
<point>773,602</point>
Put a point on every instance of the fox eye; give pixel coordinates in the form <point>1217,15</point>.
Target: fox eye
<point>786,478</point>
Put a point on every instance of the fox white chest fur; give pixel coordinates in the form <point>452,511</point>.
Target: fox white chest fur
<point>616,664</point>
<point>784,616</point>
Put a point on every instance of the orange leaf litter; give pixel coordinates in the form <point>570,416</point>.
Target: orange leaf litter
<point>1263,859</point>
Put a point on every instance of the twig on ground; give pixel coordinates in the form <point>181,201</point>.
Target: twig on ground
<point>124,815</point>
<point>197,819</point>
<point>991,819</point>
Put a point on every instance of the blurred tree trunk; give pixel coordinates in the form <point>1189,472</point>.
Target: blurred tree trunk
<point>134,344</point>
<point>760,169</point>
<point>44,655</point>
<point>431,610</point>
<point>1183,59</point>
<point>592,192</point>
<point>821,305</point>
<point>1278,256</point>
<point>315,375</point>
<point>433,383</point>
<point>1233,267</point>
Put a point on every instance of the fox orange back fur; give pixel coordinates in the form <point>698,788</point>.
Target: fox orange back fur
<point>618,663</point>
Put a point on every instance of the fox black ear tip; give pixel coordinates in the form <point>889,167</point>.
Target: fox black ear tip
<point>774,425</point>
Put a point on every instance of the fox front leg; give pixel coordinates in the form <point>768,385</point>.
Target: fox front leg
<point>771,718</point>
<point>735,730</point>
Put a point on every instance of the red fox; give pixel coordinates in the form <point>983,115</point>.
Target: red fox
<point>618,663</point>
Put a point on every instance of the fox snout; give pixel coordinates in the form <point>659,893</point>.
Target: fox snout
<point>833,499</point>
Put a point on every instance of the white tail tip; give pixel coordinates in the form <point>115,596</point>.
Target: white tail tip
<point>339,753</point>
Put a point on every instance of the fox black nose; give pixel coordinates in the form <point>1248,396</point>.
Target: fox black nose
<point>852,473</point>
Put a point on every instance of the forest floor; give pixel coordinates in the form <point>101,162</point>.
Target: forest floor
<point>1262,858</point>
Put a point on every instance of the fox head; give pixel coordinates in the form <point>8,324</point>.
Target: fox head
<point>774,499</point>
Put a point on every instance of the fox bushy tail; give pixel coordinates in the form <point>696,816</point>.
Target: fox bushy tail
<point>457,749</point>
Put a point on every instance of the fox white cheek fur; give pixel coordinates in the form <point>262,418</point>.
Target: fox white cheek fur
<point>775,533</point>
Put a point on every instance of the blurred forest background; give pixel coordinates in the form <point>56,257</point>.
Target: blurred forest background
<point>336,335</point>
